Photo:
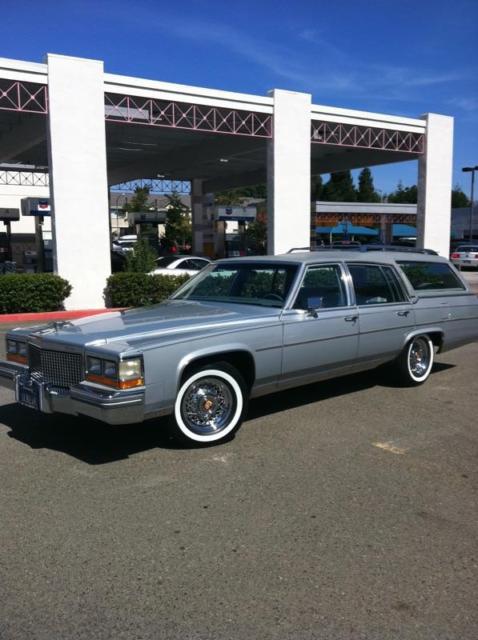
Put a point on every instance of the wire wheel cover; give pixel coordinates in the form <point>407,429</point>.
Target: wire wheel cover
<point>207,405</point>
<point>419,357</point>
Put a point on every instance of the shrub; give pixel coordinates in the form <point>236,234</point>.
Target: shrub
<point>32,292</point>
<point>142,258</point>
<point>140,289</point>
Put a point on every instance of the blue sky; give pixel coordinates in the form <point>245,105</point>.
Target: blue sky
<point>401,56</point>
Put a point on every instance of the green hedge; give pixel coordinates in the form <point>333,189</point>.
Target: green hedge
<point>32,292</point>
<point>140,289</point>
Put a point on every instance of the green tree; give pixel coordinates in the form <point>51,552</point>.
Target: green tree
<point>256,234</point>
<point>142,258</point>
<point>178,227</point>
<point>139,202</point>
<point>458,198</point>
<point>366,190</point>
<point>340,188</point>
<point>404,195</point>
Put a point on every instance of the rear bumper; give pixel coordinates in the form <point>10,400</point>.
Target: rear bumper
<point>465,262</point>
<point>110,406</point>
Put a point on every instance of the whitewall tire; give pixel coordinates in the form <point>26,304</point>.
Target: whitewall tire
<point>416,360</point>
<point>210,404</point>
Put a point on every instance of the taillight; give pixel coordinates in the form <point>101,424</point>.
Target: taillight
<point>455,255</point>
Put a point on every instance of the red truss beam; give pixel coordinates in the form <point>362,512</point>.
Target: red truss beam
<point>349,135</point>
<point>23,97</point>
<point>193,117</point>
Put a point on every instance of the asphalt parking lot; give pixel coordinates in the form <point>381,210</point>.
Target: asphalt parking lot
<point>345,509</point>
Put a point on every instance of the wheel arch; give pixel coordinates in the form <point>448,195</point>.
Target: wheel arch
<point>237,356</point>
<point>436,335</point>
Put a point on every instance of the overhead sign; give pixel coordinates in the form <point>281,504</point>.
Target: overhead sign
<point>36,207</point>
<point>155,217</point>
<point>9,214</point>
<point>237,213</point>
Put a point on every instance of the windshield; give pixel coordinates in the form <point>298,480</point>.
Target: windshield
<point>263,284</point>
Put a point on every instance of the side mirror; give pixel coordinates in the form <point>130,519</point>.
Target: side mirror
<point>312,313</point>
<point>414,299</point>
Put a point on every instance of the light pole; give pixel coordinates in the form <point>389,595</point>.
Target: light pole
<point>472,171</point>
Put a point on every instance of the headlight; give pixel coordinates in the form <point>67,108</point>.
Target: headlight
<point>17,351</point>
<point>130,369</point>
<point>110,369</point>
<point>125,374</point>
<point>12,346</point>
<point>94,366</point>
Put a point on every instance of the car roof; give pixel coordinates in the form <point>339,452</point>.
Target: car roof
<point>180,256</point>
<point>314,257</point>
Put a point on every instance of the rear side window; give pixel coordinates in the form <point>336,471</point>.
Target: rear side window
<point>430,276</point>
<point>375,284</point>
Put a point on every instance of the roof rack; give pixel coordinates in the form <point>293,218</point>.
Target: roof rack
<point>367,247</point>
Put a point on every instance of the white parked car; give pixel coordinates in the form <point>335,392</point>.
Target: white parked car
<point>466,255</point>
<point>179,265</point>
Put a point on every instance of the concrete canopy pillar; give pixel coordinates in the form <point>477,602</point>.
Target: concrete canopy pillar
<point>78,179</point>
<point>435,184</point>
<point>288,173</point>
<point>203,225</point>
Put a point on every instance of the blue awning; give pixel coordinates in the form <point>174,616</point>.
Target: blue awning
<point>350,229</point>
<point>404,231</point>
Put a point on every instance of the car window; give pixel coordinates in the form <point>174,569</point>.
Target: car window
<point>467,249</point>
<point>245,283</point>
<point>322,287</point>
<point>186,264</point>
<point>375,284</point>
<point>195,264</point>
<point>430,276</point>
<point>394,283</point>
<point>162,263</point>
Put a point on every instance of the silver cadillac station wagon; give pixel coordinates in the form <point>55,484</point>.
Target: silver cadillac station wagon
<point>242,328</point>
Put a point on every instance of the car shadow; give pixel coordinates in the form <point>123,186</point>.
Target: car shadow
<point>326,389</point>
<point>96,443</point>
<point>88,440</point>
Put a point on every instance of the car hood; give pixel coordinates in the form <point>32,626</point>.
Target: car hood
<point>170,319</point>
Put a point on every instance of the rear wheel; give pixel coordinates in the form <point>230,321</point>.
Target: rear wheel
<point>416,360</point>
<point>210,404</point>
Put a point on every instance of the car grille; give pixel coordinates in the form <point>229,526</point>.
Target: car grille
<point>55,367</point>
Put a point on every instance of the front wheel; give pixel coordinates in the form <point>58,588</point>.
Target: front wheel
<point>416,361</point>
<point>210,404</point>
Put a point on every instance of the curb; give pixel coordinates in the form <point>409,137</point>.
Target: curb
<point>52,315</point>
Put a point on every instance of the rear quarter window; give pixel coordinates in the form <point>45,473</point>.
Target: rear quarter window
<point>430,276</point>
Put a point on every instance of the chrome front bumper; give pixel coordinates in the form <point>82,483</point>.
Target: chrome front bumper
<point>107,405</point>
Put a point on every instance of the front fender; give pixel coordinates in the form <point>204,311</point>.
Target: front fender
<point>208,352</point>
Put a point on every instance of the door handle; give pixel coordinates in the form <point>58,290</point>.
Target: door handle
<point>403,313</point>
<point>350,318</point>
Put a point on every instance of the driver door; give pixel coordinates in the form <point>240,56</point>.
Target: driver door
<point>321,330</point>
